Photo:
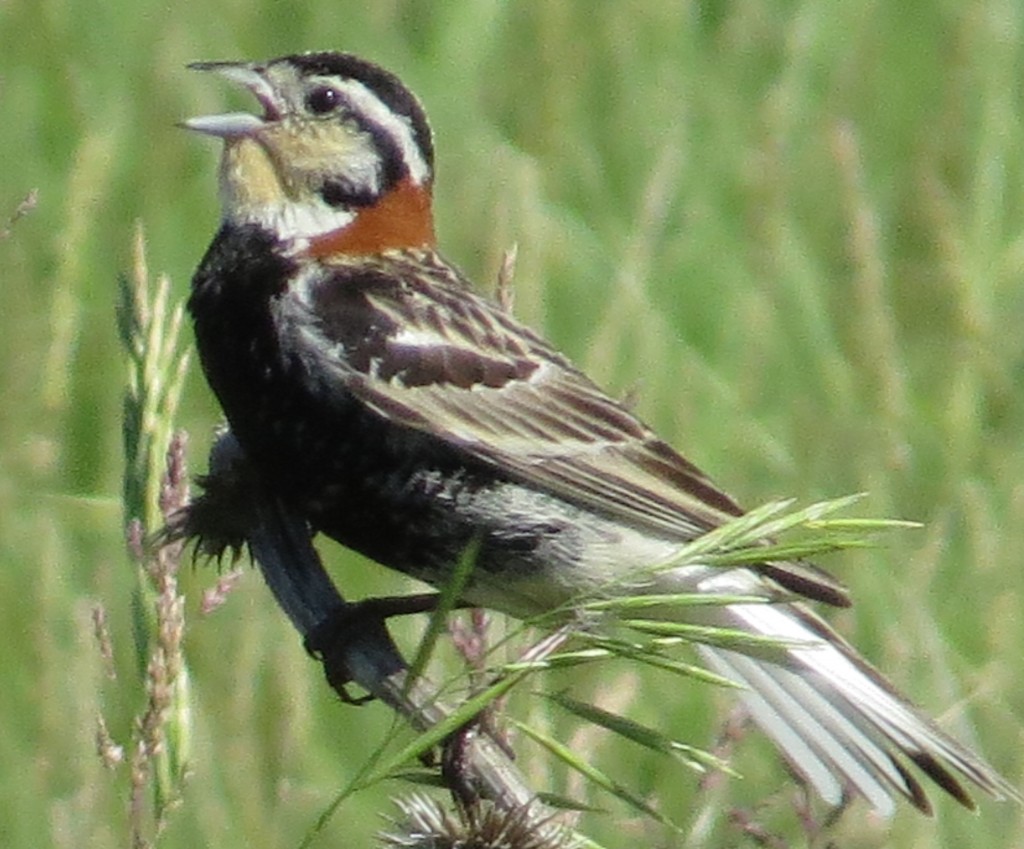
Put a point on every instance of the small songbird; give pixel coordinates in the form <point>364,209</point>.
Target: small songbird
<point>408,417</point>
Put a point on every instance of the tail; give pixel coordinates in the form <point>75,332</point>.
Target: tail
<point>837,720</point>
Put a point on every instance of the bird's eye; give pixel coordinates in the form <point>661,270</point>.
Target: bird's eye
<point>322,100</point>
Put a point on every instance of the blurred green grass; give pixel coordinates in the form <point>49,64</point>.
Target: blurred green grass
<point>794,228</point>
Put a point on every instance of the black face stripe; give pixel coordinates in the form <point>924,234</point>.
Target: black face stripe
<point>344,193</point>
<point>382,83</point>
<point>393,165</point>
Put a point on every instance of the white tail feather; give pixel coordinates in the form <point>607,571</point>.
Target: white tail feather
<point>839,723</point>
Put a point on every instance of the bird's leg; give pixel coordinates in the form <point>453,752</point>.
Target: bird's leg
<point>330,638</point>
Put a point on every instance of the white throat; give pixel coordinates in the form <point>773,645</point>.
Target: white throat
<point>292,221</point>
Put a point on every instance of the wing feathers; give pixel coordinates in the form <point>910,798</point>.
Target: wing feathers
<point>411,342</point>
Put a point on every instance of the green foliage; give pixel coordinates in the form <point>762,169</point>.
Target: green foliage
<point>791,230</point>
<point>154,486</point>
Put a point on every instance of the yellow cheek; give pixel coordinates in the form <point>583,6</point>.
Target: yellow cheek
<point>248,177</point>
<point>287,166</point>
<point>319,144</point>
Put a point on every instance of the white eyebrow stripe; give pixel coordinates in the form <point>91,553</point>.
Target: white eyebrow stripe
<point>398,127</point>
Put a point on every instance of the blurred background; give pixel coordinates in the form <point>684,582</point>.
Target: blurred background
<point>792,229</point>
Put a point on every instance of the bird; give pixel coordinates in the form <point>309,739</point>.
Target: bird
<point>408,417</point>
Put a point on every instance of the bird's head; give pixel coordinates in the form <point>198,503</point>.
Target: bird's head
<point>340,161</point>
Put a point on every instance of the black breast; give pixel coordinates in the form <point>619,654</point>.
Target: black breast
<point>389,492</point>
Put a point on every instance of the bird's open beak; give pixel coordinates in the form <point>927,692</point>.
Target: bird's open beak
<point>235,124</point>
